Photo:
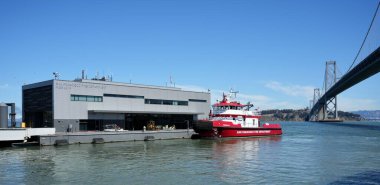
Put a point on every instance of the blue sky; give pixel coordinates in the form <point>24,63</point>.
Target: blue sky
<point>272,51</point>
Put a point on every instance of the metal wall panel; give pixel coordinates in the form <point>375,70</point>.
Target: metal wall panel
<point>64,108</point>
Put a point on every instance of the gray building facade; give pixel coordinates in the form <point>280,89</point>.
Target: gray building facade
<point>84,105</point>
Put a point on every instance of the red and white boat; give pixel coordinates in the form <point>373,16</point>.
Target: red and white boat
<point>232,119</point>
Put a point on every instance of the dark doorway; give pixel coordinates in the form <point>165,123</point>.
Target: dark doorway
<point>99,125</point>
<point>138,121</point>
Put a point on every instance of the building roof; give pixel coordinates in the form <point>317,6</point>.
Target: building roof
<point>102,82</point>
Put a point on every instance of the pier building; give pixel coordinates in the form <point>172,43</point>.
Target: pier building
<point>92,105</point>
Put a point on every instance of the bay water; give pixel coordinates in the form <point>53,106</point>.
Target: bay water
<point>306,153</point>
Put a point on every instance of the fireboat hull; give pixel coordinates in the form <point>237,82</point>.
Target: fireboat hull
<point>208,130</point>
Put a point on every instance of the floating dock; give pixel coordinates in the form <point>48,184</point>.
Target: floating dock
<point>21,134</point>
<point>48,136</point>
<point>109,137</point>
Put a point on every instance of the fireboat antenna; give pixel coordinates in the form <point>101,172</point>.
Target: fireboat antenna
<point>233,92</point>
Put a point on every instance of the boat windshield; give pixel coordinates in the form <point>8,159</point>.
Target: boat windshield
<point>228,108</point>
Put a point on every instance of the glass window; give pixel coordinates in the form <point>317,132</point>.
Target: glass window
<point>167,102</point>
<point>91,98</point>
<point>197,100</point>
<point>82,98</point>
<point>123,96</point>
<point>86,98</point>
<point>183,103</point>
<point>153,101</point>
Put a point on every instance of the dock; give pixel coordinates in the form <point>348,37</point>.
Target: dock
<point>21,134</point>
<point>109,137</point>
<point>48,136</point>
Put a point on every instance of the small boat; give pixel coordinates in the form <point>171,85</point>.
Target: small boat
<point>233,119</point>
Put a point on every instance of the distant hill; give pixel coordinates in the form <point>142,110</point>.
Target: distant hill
<point>300,115</point>
<point>369,114</point>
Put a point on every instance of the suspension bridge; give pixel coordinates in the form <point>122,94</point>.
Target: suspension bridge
<point>324,106</point>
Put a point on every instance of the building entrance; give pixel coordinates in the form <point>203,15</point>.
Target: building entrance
<point>178,121</point>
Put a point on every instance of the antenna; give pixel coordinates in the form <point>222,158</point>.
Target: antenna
<point>56,75</point>
<point>233,92</point>
<point>171,81</point>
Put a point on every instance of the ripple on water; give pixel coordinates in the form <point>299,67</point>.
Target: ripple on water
<point>306,154</point>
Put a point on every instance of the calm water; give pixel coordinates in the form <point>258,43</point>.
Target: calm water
<point>307,153</point>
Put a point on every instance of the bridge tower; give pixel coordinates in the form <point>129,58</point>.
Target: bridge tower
<point>330,108</point>
<point>317,95</point>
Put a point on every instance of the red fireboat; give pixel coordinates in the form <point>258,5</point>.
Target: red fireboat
<point>233,119</point>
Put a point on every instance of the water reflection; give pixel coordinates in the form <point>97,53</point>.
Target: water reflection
<point>239,158</point>
<point>24,165</point>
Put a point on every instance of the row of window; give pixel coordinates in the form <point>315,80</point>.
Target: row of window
<point>123,96</point>
<point>166,102</point>
<point>147,101</point>
<point>197,100</point>
<point>86,98</point>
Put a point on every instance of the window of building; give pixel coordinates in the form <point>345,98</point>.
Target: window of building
<point>86,98</point>
<point>197,100</point>
<point>82,98</point>
<point>123,96</point>
<point>184,103</point>
<point>166,102</point>
<point>157,102</point>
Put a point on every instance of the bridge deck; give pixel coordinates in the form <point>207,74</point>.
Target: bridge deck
<point>365,69</point>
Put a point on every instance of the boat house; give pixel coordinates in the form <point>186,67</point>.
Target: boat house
<point>93,105</point>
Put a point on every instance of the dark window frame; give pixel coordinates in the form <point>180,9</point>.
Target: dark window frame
<point>123,96</point>
<point>86,98</point>
<point>166,102</point>
<point>198,100</point>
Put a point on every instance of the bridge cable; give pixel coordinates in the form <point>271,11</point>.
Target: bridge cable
<point>365,38</point>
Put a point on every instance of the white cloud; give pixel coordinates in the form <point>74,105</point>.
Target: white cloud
<point>354,104</point>
<point>266,102</point>
<point>292,90</point>
<point>260,101</point>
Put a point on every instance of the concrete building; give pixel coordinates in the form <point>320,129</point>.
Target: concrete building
<point>84,105</point>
